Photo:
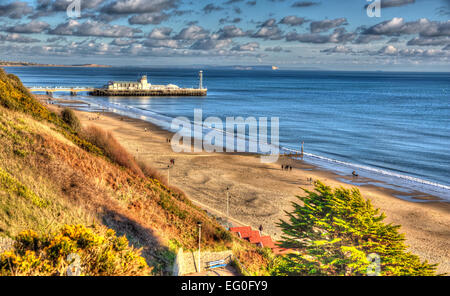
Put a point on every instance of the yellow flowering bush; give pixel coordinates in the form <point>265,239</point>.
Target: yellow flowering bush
<point>75,249</point>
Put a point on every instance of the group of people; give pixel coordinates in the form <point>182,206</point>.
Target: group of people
<point>96,117</point>
<point>286,167</point>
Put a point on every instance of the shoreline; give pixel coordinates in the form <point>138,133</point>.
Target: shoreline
<point>57,66</point>
<point>260,193</point>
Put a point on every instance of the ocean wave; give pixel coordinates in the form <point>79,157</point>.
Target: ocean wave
<point>164,121</point>
<point>370,169</point>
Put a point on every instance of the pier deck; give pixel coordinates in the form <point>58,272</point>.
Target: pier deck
<point>150,92</point>
<point>109,93</point>
<point>61,89</point>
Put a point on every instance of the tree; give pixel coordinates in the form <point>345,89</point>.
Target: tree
<point>335,231</point>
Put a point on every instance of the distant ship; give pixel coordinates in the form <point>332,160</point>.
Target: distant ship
<point>275,68</point>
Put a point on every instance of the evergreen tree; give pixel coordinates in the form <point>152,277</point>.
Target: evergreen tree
<point>338,232</point>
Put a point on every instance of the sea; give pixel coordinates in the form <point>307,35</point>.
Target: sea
<point>393,127</point>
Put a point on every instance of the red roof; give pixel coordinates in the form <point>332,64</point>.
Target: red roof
<point>254,237</point>
<point>244,232</point>
<point>239,229</point>
<point>267,242</point>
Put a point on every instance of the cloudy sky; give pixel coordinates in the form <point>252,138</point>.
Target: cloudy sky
<point>318,34</point>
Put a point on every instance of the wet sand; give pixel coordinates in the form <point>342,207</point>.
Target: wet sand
<point>261,193</point>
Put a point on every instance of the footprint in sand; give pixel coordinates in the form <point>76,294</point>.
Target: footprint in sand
<point>199,179</point>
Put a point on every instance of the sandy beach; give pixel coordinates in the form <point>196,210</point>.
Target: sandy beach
<point>260,193</point>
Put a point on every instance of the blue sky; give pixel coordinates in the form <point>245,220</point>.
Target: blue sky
<point>412,35</point>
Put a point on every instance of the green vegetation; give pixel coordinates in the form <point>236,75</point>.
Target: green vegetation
<point>69,117</point>
<point>334,231</point>
<point>10,184</point>
<point>54,174</point>
<point>75,248</point>
<point>16,97</point>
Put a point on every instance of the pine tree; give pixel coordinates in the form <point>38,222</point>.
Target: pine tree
<point>338,232</point>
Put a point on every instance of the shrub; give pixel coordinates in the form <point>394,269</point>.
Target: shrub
<point>335,230</point>
<point>69,117</point>
<point>91,251</point>
<point>111,148</point>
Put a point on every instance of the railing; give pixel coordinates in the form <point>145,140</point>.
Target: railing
<point>60,89</point>
<point>240,266</point>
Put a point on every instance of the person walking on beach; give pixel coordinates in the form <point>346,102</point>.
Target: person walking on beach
<point>260,229</point>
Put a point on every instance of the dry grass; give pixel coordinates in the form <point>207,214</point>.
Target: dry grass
<point>105,141</point>
<point>22,183</point>
<point>79,186</point>
<point>150,172</point>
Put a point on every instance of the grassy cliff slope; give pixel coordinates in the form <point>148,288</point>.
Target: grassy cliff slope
<point>52,175</point>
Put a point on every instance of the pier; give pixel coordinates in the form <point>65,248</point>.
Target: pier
<point>149,92</point>
<point>138,92</point>
<point>50,90</point>
<point>137,88</point>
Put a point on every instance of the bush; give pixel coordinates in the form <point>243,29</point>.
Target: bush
<point>75,248</point>
<point>334,231</point>
<point>69,117</point>
<point>111,148</point>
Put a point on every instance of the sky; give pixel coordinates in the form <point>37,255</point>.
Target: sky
<point>408,35</point>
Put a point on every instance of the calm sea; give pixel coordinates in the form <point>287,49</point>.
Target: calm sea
<point>391,126</point>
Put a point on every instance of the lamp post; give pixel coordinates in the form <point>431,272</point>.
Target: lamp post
<point>199,224</point>
<point>168,175</point>
<point>228,204</point>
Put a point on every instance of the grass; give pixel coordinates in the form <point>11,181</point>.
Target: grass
<point>28,200</point>
<point>12,185</point>
<point>55,175</point>
<point>110,147</point>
